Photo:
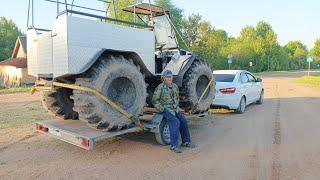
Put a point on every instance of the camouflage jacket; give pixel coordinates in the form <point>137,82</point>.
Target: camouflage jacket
<point>166,98</point>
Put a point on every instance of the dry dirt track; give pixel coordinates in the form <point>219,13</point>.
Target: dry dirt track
<point>276,140</point>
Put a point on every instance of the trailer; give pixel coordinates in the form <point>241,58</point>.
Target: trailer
<point>80,134</point>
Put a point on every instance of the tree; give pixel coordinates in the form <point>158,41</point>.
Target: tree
<point>263,28</point>
<point>297,54</point>
<point>191,29</point>
<point>8,35</point>
<point>315,51</point>
<point>115,10</point>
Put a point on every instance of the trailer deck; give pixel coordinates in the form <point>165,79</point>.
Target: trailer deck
<point>78,132</point>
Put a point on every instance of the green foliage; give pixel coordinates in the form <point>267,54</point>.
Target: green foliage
<point>115,10</point>
<point>191,30</point>
<point>8,35</point>
<point>315,53</point>
<point>297,54</point>
<point>257,44</point>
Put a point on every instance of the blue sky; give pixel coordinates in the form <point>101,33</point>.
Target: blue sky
<point>290,19</point>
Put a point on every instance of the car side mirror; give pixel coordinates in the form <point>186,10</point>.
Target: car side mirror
<point>259,80</point>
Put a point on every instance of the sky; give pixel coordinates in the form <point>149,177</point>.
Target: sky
<point>290,19</point>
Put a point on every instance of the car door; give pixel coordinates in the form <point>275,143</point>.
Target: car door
<point>258,87</point>
<point>254,88</point>
<point>245,86</point>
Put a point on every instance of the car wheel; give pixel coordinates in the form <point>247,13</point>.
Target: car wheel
<point>242,106</point>
<point>260,101</point>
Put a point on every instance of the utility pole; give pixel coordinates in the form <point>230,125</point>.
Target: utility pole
<point>268,63</point>
<point>309,60</point>
<point>229,60</point>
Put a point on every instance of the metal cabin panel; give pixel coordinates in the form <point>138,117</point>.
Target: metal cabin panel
<point>74,42</point>
<point>60,47</point>
<point>44,53</point>
<point>88,37</point>
<point>32,52</point>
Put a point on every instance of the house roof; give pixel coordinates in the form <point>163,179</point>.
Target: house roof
<point>16,62</point>
<point>21,42</point>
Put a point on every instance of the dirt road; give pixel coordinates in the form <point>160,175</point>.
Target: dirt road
<point>276,140</point>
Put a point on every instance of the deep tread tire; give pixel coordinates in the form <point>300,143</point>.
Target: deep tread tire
<point>58,103</point>
<point>121,81</point>
<point>194,83</point>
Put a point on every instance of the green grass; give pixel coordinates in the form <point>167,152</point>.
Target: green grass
<point>269,73</point>
<point>21,114</point>
<point>15,90</point>
<point>313,80</point>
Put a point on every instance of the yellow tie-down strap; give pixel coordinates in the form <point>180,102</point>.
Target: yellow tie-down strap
<point>46,85</point>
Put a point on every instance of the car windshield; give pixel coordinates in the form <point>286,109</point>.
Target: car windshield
<point>224,77</point>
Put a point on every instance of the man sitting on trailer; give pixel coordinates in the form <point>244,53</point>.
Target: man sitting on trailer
<point>166,100</point>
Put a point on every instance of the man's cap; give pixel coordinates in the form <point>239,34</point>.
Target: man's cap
<point>167,73</point>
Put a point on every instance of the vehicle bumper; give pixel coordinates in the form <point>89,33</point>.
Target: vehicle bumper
<point>227,101</point>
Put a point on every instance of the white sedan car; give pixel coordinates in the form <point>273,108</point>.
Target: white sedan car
<point>235,89</point>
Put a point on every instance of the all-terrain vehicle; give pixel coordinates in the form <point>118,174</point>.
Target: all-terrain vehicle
<point>121,60</point>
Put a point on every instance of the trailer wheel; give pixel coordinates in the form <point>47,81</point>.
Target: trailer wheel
<point>163,134</point>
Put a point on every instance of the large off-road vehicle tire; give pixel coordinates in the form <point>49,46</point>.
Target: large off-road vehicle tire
<point>58,103</point>
<point>194,83</point>
<point>121,81</point>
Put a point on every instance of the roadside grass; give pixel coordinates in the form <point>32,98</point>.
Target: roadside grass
<point>275,72</point>
<point>15,90</point>
<point>266,73</point>
<point>314,72</point>
<point>313,80</point>
<point>19,114</point>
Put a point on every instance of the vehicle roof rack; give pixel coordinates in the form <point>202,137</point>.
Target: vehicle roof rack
<point>146,9</point>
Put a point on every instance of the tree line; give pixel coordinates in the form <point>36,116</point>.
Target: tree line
<point>256,45</point>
